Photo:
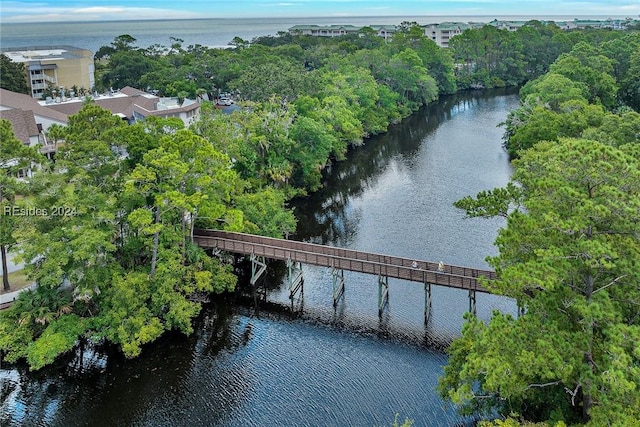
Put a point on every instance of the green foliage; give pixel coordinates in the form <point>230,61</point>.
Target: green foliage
<point>13,75</point>
<point>408,77</point>
<point>512,422</point>
<point>126,68</point>
<point>527,126</point>
<point>569,257</point>
<point>119,264</point>
<point>278,79</point>
<point>14,339</point>
<point>316,143</point>
<point>630,82</point>
<point>127,319</point>
<point>486,56</point>
<point>14,156</point>
<point>406,423</point>
<point>58,338</point>
<point>265,213</point>
<point>34,312</point>
<point>124,252</point>
<point>551,90</point>
<point>585,65</point>
<point>577,98</point>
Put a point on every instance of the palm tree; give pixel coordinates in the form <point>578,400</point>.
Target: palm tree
<point>40,306</point>
<point>200,93</point>
<point>182,95</point>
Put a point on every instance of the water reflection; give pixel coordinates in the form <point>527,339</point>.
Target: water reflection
<point>324,216</point>
<point>395,196</point>
<point>342,367</point>
<point>237,371</point>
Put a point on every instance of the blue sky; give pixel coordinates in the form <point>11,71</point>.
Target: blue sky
<point>69,10</point>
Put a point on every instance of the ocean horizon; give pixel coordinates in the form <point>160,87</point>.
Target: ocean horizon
<point>211,32</point>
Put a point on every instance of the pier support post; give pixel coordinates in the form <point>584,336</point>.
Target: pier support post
<point>338,285</point>
<point>383,294</point>
<point>427,303</point>
<point>294,279</point>
<point>472,301</point>
<point>258,267</point>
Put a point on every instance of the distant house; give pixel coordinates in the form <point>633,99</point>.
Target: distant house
<point>445,31</point>
<point>384,31</point>
<point>55,66</point>
<point>24,126</point>
<point>507,25</point>
<point>132,104</point>
<point>44,116</point>
<point>324,30</point>
<point>31,118</point>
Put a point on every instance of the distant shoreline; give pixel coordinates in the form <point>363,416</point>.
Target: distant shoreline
<point>340,19</point>
<point>213,32</point>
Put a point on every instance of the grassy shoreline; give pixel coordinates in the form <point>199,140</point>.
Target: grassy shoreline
<point>17,280</point>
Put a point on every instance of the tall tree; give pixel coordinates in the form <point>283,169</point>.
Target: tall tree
<point>585,64</point>
<point>14,156</point>
<point>13,76</point>
<point>569,257</point>
<point>630,86</point>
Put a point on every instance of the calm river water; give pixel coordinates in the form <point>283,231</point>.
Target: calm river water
<point>326,367</point>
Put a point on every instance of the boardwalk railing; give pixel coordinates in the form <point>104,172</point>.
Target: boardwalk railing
<point>344,259</point>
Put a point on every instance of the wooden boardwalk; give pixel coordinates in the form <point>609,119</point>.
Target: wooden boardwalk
<point>344,259</point>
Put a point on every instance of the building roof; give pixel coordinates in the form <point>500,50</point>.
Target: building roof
<point>45,53</point>
<point>23,122</point>
<point>353,28</point>
<point>12,100</point>
<point>125,101</point>
<point>449,26</point>
<point>389,28</point>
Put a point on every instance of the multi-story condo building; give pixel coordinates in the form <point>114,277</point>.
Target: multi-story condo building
<point>443,32</point>
<point>384,31</point>
<point>55,66</point>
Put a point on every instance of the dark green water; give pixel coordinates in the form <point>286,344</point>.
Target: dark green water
<point>326,368</point>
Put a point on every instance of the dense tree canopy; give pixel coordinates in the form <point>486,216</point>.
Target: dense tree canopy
<point>114,262</point>
<point>570,257</point>
<point>585,91</point>
<point>14,157</point>
<point>13,75</point>
<point>119,265</point>
<point>569,254</point>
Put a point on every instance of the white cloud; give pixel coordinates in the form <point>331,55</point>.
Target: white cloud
<point>95,13</point>
<point>98,9</point>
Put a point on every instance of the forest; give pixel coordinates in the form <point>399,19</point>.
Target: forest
<point>569,255</point>
<point>120,267</point>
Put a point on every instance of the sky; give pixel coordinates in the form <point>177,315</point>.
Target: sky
<point>100,10</point>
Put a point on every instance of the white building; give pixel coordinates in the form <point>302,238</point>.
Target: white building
<point>131,104</point>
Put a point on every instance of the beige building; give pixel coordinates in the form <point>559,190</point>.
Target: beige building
<point>60,67</point>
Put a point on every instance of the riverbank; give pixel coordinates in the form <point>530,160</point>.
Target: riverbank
<point>393,195</point>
